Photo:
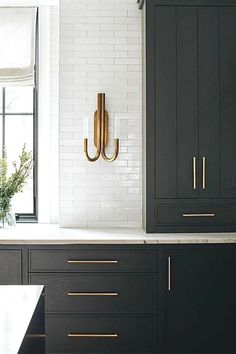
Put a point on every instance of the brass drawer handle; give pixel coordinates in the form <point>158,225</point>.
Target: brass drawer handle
<point>76,261</point>
<point>93,335</point>
<point>35,335</point>
<point>91,294</point>
<point>199,215</point>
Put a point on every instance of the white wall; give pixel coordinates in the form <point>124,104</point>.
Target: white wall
<point>100,51</point>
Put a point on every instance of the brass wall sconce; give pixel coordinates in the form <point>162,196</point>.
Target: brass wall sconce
<point>101,122</point>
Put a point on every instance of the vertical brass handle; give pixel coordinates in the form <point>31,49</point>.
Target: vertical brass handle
<point>194,172</point>
<point>169,273</point>
<point>203,172</point>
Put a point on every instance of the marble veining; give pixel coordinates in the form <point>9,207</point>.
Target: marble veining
<point>52,234</point>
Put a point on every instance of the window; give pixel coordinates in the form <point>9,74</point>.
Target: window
<point>19,102</point>
<point>18,116</point>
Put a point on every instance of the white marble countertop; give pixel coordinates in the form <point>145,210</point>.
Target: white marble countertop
<point>52,234</point>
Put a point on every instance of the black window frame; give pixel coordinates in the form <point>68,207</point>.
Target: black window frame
<point>28,217</point>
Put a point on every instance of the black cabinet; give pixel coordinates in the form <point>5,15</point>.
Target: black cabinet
<point>163,299</point>
<point>198,305</point>
<point>98,299</point>
<point>10,267</point>
<point>191,110</point>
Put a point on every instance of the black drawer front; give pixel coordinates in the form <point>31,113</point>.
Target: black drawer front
<point>100,335</point>
<point>88,293</point>
<point>92,260</point>
<point>191,215</point>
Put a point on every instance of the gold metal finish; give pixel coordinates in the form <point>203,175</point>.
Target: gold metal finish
<point>101,123</point>
<point>169,273</point>
<point>77,261</point>
<point>204,173</point>
<point>103,135</point>
<point>36,335</point>
<point>93,335</point>
<point>91,294</point>
<point>194,172</point>
<point>199,215</point>
<point>96,129</point>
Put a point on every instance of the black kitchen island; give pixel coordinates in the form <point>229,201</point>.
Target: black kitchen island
<point>22,329</point>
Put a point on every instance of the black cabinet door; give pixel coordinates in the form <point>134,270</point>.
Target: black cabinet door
<point>227,20</point>
<point>194,94</point>
<point>175,99</point>
<point>10,267</point>
<point>217,103</point>
<point>199,307</point>
<point>209,102</point>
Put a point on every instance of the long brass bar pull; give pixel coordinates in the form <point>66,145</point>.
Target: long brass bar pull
<point>35,335</point>
<point>194,172</point>
<point>203,172</point>
<point>77,261</point>
<point>169,274</point>
<point>93,335</point>
<point>199,215</point>
<point>71,293</point>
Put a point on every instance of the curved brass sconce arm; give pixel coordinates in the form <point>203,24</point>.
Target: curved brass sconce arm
<point>98,152</point>
<point>101,133</point>
<point>97,133</point>
<point>114,157</point>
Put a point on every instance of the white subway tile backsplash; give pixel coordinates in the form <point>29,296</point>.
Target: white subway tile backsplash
<point>100,51</point>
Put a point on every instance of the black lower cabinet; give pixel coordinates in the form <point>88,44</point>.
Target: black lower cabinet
<point>198,308</point>
<point>98,299</point>
<point>132,299</point>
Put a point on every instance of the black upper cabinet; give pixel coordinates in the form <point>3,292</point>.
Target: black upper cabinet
<point>191,116</point>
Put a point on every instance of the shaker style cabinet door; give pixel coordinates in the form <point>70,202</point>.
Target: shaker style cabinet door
<point>217,103</point>
<point>175,102</point>
<point>199,306</point>
<point>227,23</point>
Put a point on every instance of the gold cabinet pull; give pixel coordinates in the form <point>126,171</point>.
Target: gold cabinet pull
<point>77,261</point>
<point>199,215</point>
<point>36,335</point>
<point>91,294</point>
<point>203,172</point>
<point>93,335</point>
<point>169,273</point>
<point>194,172</point>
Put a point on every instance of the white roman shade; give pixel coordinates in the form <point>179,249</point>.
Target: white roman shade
<point>17,45</point>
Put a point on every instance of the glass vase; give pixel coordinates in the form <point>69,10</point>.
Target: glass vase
<point>8,221</point>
